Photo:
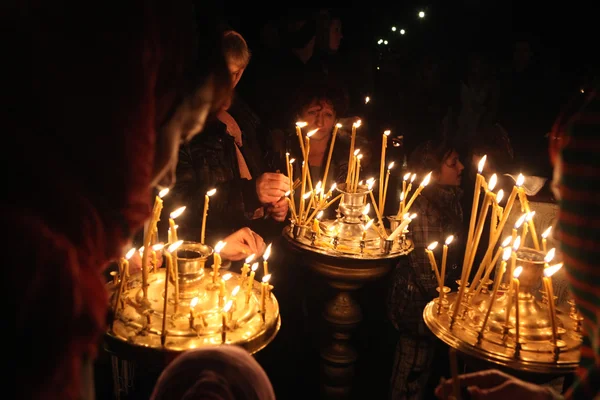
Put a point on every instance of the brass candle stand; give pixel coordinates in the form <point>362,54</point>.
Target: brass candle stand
<point>348,257</point>
<point>194,318</point>
<point>535,351</point>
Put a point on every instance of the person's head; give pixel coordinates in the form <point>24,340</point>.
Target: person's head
<point>320,105</point>
<point>301,33</point>
<point>442,159</point>
<point>237,55</point>
<point>214,373</point>
<point>335,33</point>
<point>204,87</point>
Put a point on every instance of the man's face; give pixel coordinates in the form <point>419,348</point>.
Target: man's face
<point>187,121</point>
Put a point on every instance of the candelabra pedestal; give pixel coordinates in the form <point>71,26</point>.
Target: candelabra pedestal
<point>342,313</point>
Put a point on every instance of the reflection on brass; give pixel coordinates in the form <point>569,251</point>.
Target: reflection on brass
<point>136,330</point>
<point>535,351</point>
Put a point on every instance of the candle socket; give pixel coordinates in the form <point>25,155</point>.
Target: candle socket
<point>386,245</point>
<point>518,349</point>
<point>221,301</point>
<point>191,320</point>
<point>298,231</point>
<point>362,246</point>
<point>313,237</point>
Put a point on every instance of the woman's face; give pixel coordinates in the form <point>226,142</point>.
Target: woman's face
<point>319,115</point>
<point>451,171</point>
<point>187,121</point>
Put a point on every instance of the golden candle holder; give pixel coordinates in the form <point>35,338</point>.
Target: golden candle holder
<point>348,256</point>
<point>535,351</point>
<point>194,320</point>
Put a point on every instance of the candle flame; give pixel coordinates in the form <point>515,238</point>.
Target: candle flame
<point>520,180</point>
<point>367,209</point>
<point>493,181</point>
<point>387,132</point>
<point>401,196</point>
<point>449,240</point>
<point>357,123</point>
<point>211,192</point>
<point>520,221</point>
<point>163,192</point>
<point>356,152</point>
<point>506,241</point>
<point>194,302</point>
<point>547,232</point>
<point>177,212</point>
<point>406,176</point>
<point>529,216</point>
<point>227,276</point>
<point>130,253</point>
<point>360,156</point>
<point>426,179</point>
<point>288,193</point>
<point>175,246</point>
<point>309,134</point>
<point>307,195</point>
<point>318,186</point>
<point>552,270</point>
<point>413,216</point>
<point>235,291</point>
<point>367,99</point>
<point>292,160</point>
<point>432,246</point>
<point>333,187</point>
<point>413,177</point>
<point>228,306</point>
<point>319,215</point>
<point>368,224</point>
<point>517,271</point>
<point>267,252</point>
<point>370,184</point>
<point>219,246</point>
<point>141,250</point>
<point>338,125</point>
<point>550,255</point>
<point>266,278</point>
<point>250,258</point>
<point>517,243</point>
<point>158,246</point>
<point>481,163</point>
<point>506,253</point>
<point>254,266</point>
<point>499,196</point>
<point>301,124</point>
<point>391,165</point>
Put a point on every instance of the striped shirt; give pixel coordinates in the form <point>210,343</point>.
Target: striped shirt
<point>579,235</point>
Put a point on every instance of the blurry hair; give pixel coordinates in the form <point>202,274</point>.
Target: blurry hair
<point>235,48</point>
<point>429,156</point>
<point>322,90</point>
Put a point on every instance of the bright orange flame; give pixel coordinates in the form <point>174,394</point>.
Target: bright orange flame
<point>267,252</point>
<point>432,246</point>
<point>211,192</point>
<point>175,246</point>
<point>163,192</point>
<point>266,278</point>
<point>130,253</point>
<point>449,240</point>
<point>553,269</point>
<point>177,212</point>
<point>194,302</point>
<point>228,306</point>
<point>547,232</point>
<point>219,246</point>
<point>481,163</point>
<point>517,271</point>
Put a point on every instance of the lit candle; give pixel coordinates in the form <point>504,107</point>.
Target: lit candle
<point>299,126</point>
<point>205,213</point>
<point>124,277</point>
<point>449,240</point>
<point>246,267</point>
<point>352,141</point>
<point>264,288</point>
<point>217,259</point>
<point>155,248</point>
<point>511,289</point>
<point>156,210</point>
<point>517,225</point>
<point>333,136</point>
<point>525,204</point>
<point>382,166</point>
<point>385,186</point>
<point>377,212</point>
<point>193,304</point>
<point>315,227</point>
<point>357,175</point>
<point>476,194</point>
<point>548,272</point>
<point>490,251</point>
<point>265,257</point>
<point>495,213</point>
<point>545,237</point>
<point>424,183</point>
<point>172,248</point>
<point>516,285</point>
<point>402,196</point>
<point>172,226</point>
<point>526,225</point>
<point>497,282</point>
<point>434,267</point>
<point>402,226</point>
<point>505,244</point>
<point>292,189</point>
<point>224,321</point>
<point>234,294</point>
<point>251,282</point>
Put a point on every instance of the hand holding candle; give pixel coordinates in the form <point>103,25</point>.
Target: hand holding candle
<point>205,213</point>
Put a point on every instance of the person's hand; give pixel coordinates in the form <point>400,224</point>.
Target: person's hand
<point>270,187</point>
<point>279,210</point>
<point>494,384</point>
<point>242,243</point>
<point>135,262</point>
